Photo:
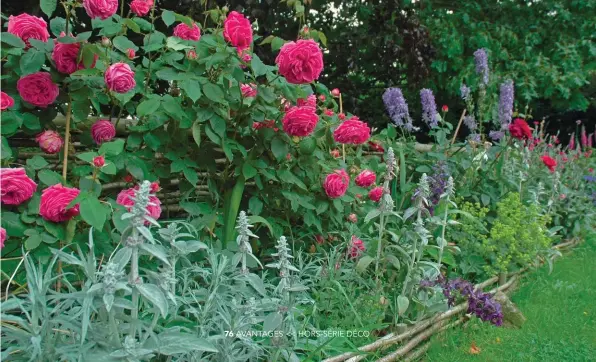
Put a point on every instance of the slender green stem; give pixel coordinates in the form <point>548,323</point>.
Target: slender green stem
<point>134,276</point>
<point>379,246</point>
<point>443,232</point>
<point>113,327</point>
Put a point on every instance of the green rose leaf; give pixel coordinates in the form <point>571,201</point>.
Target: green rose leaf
<point>48,6</point>
<point>279,148</point>
<point>93,212</point>
<point>12,40</point>
<point>113,148</point>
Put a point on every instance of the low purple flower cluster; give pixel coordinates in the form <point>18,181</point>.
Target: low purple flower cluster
<point>479,303</point>
<point>438,182</point>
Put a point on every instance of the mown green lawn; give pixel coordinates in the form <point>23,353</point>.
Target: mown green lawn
<point>561,312</point>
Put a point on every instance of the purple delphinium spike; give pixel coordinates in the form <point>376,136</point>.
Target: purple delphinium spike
<point>481,60</point>
<point>506,103</point>
<point>465,92</point>
<point>429,108</point>
<point>470,122</point>
<point>496,135</point>
<point>397,107</point>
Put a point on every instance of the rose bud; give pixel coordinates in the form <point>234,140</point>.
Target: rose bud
<point>319,239</point>
<point>341,116</point>
<point>155,187</point>
<point>289,157</point>
<point>322,98</point>
<point>445,108</point>
<point>329,112</point>
<point>128,178</point>
<point>105,42</point>
<point>192,55</point>
<point>335,153</point>
<point>99,161</point>
<point>130,53</point>
<point>353,218</point>
<point>335,92</point>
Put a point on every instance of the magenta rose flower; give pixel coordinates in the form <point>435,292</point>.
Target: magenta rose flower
<point>336,184</point>
<point>310,101</point>
<point>38,89</point>
<point>15,186</point>
<point>124,198</point>
<point>99,161</point>
<point>238,31</point>
<point>103,131</point>
<point>300,121</point>
<point>376,194</point>
<point>141,7</point>
<point>53,203</point>
<point>120,78</point>
<point>49,141</point>
<point>2,237</point>
<point>353,131</point>
<point>6,101</point>
<point>27,27</point>
<point>300,62</point>
<point>356,247</point>
<point>102,9</point>
<point>366,178</point>
<point>248,90</point>
<point>65,57</point>
<point>185,32</point>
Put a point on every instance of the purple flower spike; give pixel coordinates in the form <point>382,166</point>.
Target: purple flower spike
<point>429,108</point>
<point>481,60</point>
<point>506,103</point>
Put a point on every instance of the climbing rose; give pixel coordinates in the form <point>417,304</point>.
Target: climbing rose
<point>336,184</point>
<point>124,198</point>
<point>549,162</point>
<point>102,9</point>
<point>520,129</point>
<point>53,203</point>
<point>300,62</point>
<point>376,194</point>
<point>141,7</point>
<point>353,131</point>
<point>248,90</point>
<point>238,31</point>
<point>6,101</point>
<point>366,178</point>
<point>356,247</point>
<point>65,57</point>
<point>27,27</point>
<point>185,32</point>
<point>15,186</point>
<point>49,141</point>
<point>300,121</point>
<point>38,89</point>
<point>2,237</point>
<point>99,161</point>
<point>120,78</point>
<point>103,131</point>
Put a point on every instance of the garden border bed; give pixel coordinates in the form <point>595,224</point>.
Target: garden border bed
<point>419,332</point>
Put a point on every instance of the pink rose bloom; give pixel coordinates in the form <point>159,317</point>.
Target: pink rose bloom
<point>335,153</point>
<point>245,56</point>
<point>336,184</point>
<point>329,112</point>
<point>65,57</point>
<point>185,32</point>
<point>356,247</point>
<point>376,194</point>
<point>103,131</point>
<point>300,121</point>
<point>53,203</point>
<point>49,141</point>
<point>28,27</point>
<point>99,161</point>
<point>141,7</point>
<point>120,78</point>
<point>238,31</point>
<point>2,237</point>
<point>353,131</point>
<point>310,101</point>
<point>15,186</point>
<point>102,9</point>
<point>38,89</point>
<point>124,198</point>
<point>366,178</point>
<point>301,61</point>
<point>248,90</point>
<point>6,101</point>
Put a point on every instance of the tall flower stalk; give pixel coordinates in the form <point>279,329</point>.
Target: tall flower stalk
<point>243,239</point>
<point>429,108</point>
<point>386,205</point>
<point>506,104</point>
<point>449,194</point>
<point>397,107</point>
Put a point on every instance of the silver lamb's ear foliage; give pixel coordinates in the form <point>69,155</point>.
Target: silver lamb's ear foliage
<point>391,165</point>
<point>141,201</point>
<point>244,234</point>
<point>450,189</point>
